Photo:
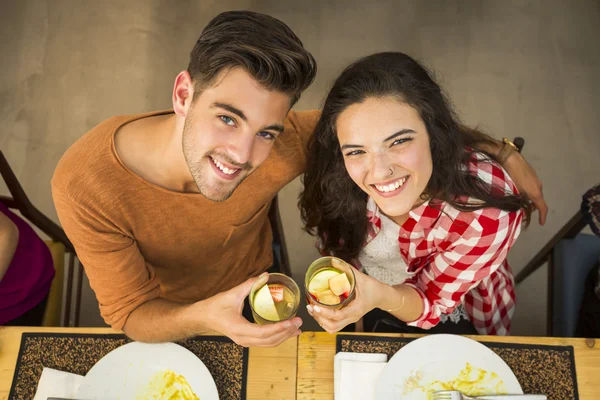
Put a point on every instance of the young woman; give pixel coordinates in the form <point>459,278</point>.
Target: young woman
<point>395,187</point>
<point>26,272</point>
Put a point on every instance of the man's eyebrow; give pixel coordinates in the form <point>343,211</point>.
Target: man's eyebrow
<point>234,110</point>
<point>231,109</point>
<point>275,127</point>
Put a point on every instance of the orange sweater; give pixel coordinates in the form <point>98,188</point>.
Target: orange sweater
<point>138,241</point>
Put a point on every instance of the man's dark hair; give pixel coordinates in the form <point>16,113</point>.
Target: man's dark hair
<point>263,46</point>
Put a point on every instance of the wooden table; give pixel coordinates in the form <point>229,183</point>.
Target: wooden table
<point>271,372</point>
<point>316,351</point>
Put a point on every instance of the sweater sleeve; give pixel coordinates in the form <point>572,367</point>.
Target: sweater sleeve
<point>118,274</point>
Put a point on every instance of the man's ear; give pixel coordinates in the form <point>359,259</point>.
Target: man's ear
<point>183,93</point>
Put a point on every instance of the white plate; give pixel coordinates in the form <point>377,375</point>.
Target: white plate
<point>439,357</point>
<point>126,371</point>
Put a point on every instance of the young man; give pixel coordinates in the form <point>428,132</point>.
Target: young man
<point>168,210</point>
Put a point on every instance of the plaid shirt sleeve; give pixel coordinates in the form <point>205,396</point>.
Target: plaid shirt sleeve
<point>471,267</point>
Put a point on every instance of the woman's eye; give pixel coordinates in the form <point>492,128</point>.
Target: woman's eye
<point>400,141</point>
<point>227,120</point>
<point>354,153</point>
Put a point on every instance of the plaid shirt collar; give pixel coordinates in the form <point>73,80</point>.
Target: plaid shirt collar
<point>424,216</point>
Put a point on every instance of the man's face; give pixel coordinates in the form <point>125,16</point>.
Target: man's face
<point>229,131</point>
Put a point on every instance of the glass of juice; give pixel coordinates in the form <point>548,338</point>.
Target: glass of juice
<point>274,298</point>
<point>329,282</point>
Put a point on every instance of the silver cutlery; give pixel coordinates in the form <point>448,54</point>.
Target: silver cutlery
<point>456,395</point>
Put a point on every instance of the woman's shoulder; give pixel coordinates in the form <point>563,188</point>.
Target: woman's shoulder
<point>490,172</point>
<point>476,222</point>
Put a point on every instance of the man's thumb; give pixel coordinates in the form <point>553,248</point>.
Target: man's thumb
<point>243,289</point>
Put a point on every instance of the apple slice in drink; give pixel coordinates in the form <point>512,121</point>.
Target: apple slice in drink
<point>320,281</point>
<point>264,304</point>
<point>327,297</point>
<point>339,285</point>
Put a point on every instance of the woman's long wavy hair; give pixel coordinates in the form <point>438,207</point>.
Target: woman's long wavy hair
<point>334,208</point>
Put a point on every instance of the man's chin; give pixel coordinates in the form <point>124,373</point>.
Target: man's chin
<point>217,192</point>
<point>216,195</point>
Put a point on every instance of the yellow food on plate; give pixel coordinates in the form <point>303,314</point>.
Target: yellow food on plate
<point>471,381</point>
<point>168,385</point>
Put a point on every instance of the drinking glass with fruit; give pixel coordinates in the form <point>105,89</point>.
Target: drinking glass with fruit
<point>274,298</point>
<point>329,282</point>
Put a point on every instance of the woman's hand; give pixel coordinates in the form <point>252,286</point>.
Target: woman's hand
<point>367,292</point>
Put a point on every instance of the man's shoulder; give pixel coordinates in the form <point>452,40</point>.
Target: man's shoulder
<point>90,159</point>
<point>303,120</point>
<point>289,150</point>
<point>302,124</point>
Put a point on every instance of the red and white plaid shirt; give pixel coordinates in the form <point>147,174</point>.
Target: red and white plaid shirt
<point>460,257</point>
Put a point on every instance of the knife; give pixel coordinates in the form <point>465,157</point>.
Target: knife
<point>59,398</point>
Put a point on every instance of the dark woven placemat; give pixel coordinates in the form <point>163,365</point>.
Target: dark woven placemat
<point>539,369</point>
<point>77,353</point>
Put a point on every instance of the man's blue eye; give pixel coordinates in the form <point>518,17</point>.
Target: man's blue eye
<point>266,135</point>
<point>228,120</point>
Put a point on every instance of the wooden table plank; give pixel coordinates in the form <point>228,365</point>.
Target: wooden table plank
<point>316,351</point>
<point>271,372</point>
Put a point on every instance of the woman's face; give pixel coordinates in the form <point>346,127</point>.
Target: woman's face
<point>386,152</point>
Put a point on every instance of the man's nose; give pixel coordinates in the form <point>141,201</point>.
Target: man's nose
<point>240,147</point>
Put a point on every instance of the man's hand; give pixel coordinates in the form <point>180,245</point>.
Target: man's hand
<point>527,181</point>
<point>225,316</point>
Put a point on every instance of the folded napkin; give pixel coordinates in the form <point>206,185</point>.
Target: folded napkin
<point>54,383</point>
<point>355,375</point>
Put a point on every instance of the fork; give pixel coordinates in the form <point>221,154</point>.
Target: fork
<point>456,395</point>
